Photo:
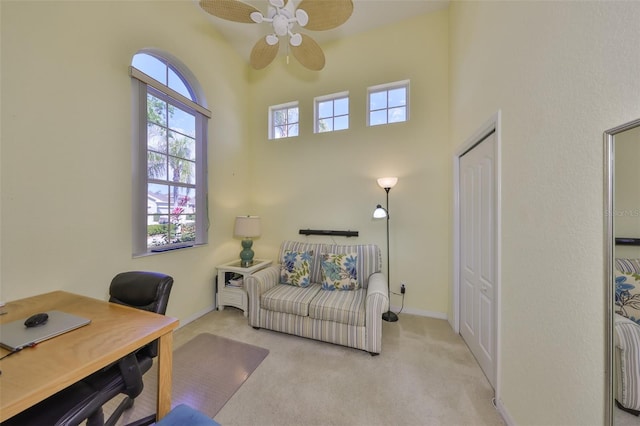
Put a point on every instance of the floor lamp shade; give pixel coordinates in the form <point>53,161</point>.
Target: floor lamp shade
<point>247,227</point>
<point>387,182</point>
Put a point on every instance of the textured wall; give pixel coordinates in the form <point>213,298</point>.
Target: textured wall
<point>328,180</point>
<point>66,145</point>
<point>562,73</point>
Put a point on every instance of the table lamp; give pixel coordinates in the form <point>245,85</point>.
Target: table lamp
<point>247,227</point>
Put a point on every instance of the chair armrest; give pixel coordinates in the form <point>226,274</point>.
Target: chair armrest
<point>256,284</point>
<point>376,303</point>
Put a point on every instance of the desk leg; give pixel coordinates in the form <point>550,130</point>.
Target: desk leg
<point>165,361</point>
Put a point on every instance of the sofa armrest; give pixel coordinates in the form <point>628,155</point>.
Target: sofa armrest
<point>376,303</point>
<point>255,285</point>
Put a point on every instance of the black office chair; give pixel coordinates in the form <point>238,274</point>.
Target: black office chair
<point>84,400</point>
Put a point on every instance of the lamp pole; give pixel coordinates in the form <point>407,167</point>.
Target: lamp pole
<point>388,316</point>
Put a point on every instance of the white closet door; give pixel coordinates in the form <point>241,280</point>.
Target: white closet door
<point>478,253</point>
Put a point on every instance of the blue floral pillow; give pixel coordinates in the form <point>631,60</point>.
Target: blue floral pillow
<point>339,271</point>
<point>628,295</point>
<point>296,268</point>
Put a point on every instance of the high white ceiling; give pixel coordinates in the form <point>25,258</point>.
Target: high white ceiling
<point>367,14</point>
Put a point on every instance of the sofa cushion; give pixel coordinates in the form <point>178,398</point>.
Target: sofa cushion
<point>339,271</point>
<point>628,265</point>
<point>628,295</point>
<point>289,299</point>
<point>369,259</point>
<point>345,307</point>
<point>296,268</point>
<point>299,247</point>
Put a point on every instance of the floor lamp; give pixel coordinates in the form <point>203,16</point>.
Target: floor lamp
<point>379,213</point>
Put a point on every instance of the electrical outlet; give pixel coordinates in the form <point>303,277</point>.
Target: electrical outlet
<point>403,289</point>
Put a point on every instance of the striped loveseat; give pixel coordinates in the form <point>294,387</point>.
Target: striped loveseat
<point>627,334</point>
<point>350,318</point>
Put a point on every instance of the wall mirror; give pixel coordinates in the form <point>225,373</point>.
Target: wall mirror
<point>622,269</point>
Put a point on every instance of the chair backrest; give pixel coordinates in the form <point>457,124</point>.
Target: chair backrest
<point>147,291</point>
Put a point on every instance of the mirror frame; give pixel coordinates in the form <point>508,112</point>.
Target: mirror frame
<point>609,247</point>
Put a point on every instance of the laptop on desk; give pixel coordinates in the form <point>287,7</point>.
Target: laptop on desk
<point>15,335</point>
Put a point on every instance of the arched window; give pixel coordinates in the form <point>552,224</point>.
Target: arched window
<point>170,168</point>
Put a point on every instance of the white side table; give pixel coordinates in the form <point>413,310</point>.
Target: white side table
<point>229,295</point>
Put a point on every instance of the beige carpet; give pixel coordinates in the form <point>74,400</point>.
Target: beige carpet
<point>425,375</point>
<point>207,371</point>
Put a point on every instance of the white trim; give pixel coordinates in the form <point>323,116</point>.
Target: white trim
<point>386,87</point>
<point>287,106</point>
<point>139,75</point>
<point>504,413</point>
<point>418,312</point>
<point>332,97</point>
<point>195,316</point>
<point>491,125</point>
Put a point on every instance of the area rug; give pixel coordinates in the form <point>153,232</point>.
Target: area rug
<point>207,371</point>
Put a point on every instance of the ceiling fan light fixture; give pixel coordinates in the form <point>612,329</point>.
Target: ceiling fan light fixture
<point>271,39</point>
<point>257,17</point>
<point>302,17</point>
<point>295,39</point>
<point>282,15</point>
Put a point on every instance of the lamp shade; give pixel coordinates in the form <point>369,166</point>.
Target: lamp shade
<point>387,182</point>
<point>380,212</point>
<point>247,226</point>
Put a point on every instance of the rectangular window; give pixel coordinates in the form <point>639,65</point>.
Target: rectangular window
<point>171,172</point>
<point>284,121</point>
<point>388,103</point>
<point>331,112</point>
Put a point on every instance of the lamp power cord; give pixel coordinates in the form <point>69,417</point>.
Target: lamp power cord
<point>402,306</point>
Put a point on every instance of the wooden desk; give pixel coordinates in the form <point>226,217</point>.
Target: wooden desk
<point>34,374</point>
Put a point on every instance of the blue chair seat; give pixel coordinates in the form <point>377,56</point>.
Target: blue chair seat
<point>183,415</point>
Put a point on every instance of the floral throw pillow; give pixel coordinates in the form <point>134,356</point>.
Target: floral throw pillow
<point>296,268</point>
<point>339,271</point>
<point>628,295</point>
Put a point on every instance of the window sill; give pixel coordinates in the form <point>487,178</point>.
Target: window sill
<point>167,249</point>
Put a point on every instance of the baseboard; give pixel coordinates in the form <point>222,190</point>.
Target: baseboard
<point>419,312</point>
<point>195,316</point>
<point>396,309</point>
<point>504,413</point>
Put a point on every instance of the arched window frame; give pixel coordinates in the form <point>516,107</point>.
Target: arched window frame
<point>142,86</point>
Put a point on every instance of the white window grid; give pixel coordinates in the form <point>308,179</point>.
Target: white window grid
<point>331,112</point>
<point>388,103</point>
<point>284,120</point>
<point>184,200</point>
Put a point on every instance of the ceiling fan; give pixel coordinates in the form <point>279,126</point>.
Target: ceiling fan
<point>282,15</point>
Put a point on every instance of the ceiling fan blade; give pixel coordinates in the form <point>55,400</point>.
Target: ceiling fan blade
<point>326,14</point>
<point>309,53</point>
<point>263,54</point>
<point>231,10</point>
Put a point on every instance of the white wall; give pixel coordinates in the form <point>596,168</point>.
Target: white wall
<point>66,145</point>
<point>562,73</point>
<point>328,180</point>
